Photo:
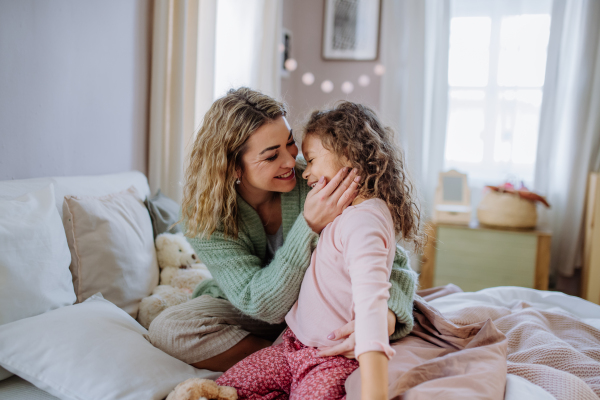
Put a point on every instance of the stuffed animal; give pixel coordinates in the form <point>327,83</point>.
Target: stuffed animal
<point>181,272</point>
<point>202,389</point>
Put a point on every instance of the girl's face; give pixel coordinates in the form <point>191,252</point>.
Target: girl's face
<point>269,160</point>
<point>320,161</point>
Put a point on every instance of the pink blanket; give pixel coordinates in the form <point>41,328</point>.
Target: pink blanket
<point>467,354</point>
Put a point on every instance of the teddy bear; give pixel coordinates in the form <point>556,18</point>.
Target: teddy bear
<point>181,271</point>
<point>202,389</point>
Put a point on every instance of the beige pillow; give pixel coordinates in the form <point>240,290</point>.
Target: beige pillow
<point>112,248</point>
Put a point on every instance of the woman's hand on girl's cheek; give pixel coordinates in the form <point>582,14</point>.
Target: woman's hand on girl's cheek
<point>327,200</point>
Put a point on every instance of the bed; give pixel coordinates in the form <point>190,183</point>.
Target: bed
<point>96,350</point>
<point>509,342</point>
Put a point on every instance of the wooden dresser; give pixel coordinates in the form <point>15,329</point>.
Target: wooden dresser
<point>475,257</point>
<point>590,277</point>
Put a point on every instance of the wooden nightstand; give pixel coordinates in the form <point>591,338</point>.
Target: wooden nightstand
<point>476,257</point>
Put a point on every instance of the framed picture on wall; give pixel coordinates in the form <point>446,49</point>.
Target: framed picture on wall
<point>351,30</point>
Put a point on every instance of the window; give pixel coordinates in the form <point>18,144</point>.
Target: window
<point>496,68</point>
<point>235,46</point>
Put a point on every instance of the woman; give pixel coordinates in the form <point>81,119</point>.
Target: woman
<point>254,222</point>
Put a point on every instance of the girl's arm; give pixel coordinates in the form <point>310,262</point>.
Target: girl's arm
<point>373,375</point>
<point>367,239</point>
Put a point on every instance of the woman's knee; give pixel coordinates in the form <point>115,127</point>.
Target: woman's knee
<point>161,330</point>
<point>189,329</point>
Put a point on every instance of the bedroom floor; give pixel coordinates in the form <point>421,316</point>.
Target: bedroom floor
<point>569,285</point>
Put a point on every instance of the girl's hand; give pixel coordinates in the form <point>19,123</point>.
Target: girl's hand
<point>327,200</point>
<point>346,348</point>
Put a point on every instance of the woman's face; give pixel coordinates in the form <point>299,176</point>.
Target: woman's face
<point>269,160</point>
<point>320,161</point>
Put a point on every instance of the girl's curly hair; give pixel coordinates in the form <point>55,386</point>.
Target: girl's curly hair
<point>353,131</point>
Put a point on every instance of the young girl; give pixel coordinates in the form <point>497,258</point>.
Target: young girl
<point>348,278</point>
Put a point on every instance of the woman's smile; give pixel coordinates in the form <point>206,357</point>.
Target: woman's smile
<point>287,176</point>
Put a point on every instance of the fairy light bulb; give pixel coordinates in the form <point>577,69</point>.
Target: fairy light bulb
<point>290,64</point>
<point>327,86</point>
<point>364,80</point>
<point>347,87</point>
<point>308,79</point>
<point>379,69</point>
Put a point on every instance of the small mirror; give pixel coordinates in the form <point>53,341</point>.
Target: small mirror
<point>452,199</point>
<point>453,188</point>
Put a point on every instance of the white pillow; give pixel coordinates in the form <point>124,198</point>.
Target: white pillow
<point>88,351</point>
<point>112,248</point>
<point>34,257</point>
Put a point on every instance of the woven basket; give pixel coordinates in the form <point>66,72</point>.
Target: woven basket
<point>507,210</point>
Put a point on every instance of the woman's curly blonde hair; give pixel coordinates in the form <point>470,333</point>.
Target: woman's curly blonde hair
<point>209,195</point>
<point>353,131</point>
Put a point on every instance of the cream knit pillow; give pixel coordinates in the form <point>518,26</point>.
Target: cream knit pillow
<point>112,248</point>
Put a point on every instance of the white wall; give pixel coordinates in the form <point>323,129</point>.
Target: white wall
<point>74,77</point>
<point>305,21</point>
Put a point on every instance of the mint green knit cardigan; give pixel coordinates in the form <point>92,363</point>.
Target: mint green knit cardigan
<point>268,292</point>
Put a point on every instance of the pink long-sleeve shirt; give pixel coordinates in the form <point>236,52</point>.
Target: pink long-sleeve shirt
<point>348,279</point>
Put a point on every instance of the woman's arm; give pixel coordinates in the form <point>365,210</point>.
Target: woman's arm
<point>268,293</point>
<point>402,293</point>
<point>265,293</point>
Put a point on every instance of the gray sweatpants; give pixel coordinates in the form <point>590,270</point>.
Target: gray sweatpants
<point>205,327</point>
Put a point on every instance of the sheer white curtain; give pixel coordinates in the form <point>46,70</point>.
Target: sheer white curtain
<point>569,137</point>
<point>414,88</point>
<point>178,54</point>
<point>200,48</point>
<point>248,34</point>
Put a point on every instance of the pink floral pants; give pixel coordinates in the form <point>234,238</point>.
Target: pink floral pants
<point>289,370</point>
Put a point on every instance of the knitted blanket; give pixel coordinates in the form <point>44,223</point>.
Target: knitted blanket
<point>467,352</point>
<point>553,350</point>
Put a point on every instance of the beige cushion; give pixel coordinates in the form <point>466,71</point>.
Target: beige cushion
<point>112,248</point>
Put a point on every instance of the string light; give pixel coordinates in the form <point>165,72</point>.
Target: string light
<point>364,80</point>
<point>347,87</point>
<point>327,86</point>
<point>290,64</point>
<point>308,79</point>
